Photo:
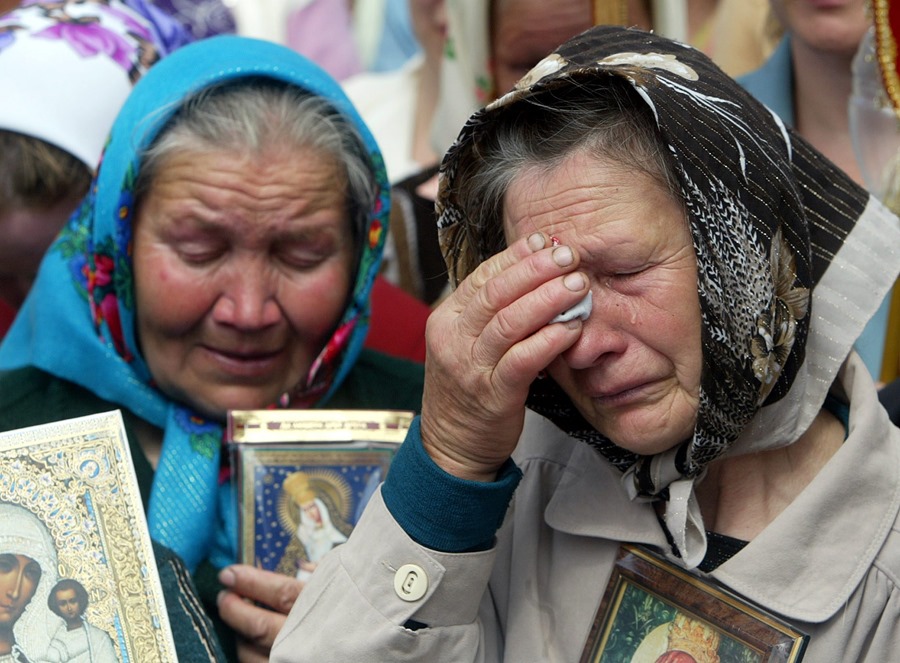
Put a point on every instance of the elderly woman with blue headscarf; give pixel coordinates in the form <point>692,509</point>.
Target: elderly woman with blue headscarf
<point>223,259</point>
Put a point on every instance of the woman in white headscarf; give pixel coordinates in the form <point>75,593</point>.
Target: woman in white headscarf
<point>28,569</point>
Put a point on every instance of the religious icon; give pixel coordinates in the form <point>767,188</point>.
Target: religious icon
<point>28,564</point>
<point>655,612</point>
<point>315,515</point>
<point>71,509</point>
<point>77,639</point>
<point>304,478</point>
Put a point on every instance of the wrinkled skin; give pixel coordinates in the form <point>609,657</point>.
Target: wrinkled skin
<point>632,368</point>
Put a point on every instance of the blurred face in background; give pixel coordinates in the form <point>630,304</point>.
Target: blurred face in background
<point>26,233</point>
<point>830,26</point>
<point>429,23</point>
<point>523,32</point>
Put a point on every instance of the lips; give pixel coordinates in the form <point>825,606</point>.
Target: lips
<point>613,395</point>
<point>608,392</point>
<point>9,609</point>
<point>245,355</point>
<point>245,362</point>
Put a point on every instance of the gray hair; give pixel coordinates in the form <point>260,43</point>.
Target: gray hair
<point>254,114</point>
<point>605,119</point>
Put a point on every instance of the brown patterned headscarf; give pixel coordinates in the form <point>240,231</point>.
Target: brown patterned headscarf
<point>793,257</point>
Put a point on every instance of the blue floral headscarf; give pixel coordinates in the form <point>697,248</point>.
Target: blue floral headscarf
<point>78,322</point>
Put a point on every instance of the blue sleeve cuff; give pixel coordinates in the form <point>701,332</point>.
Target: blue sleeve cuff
<point>440,511</point>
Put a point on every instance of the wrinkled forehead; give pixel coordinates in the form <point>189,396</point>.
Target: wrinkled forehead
<point>721,141</point>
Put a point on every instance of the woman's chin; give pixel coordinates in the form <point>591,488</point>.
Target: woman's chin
<point>646,436</point>
<point>216,405</point>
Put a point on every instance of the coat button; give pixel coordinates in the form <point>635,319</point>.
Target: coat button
<point>410,582</point>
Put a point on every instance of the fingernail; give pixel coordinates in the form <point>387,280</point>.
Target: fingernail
<point>536,241</point>
<point>219,597</point>
<point>574,282</point>
<point>562,256</point>
<point>226,577</point>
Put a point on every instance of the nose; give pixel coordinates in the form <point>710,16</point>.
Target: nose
<point>14,591</point>
<point>603,333</point>
<point>249,297</point>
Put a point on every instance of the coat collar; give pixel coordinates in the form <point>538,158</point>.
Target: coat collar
<point>590,499</point>
<point>809,560</point>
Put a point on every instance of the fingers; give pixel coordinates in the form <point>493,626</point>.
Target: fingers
<point>507,319</point>
<point>250,653</point>
<point>487,343</point>
<point>517,252</point>
<point>525,320</point>
<point>511,275</point>
<point>275,590</point>
<point>256,626</point>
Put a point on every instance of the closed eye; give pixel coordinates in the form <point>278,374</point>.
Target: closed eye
<point>306,254</point>
<point>200,253</point>
<point>33,572</point>
<point>630,274</point>
<point>302,260</point>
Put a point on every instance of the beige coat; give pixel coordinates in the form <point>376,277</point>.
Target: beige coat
<point>829,564</point>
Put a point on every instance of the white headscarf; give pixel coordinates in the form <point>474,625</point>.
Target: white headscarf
<point>23,533</point>
<point>318,539</point>
<point>67,67</point>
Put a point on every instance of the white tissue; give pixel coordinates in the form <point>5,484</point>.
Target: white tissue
<point>581,310</point>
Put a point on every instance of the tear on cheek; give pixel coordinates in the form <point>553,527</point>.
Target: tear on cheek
<point>581,310</point>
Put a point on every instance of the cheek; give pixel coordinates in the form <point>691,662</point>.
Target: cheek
<point>679,337</point>
<point>168,297</point>
<point>314,302</point>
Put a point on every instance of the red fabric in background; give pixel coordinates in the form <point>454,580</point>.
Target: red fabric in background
<point>7,315</point>
<point>398,320</point>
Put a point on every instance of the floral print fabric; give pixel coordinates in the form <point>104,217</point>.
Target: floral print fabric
<point>68,66</point>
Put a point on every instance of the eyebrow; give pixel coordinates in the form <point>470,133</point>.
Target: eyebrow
<point>295,228</point>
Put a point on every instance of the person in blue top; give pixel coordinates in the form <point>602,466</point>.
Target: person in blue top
<point>807,81</point>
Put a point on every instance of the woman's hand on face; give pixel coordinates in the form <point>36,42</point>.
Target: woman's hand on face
<point>243,607</point>
<point>486,343</point>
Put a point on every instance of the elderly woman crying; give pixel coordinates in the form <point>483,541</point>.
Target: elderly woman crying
<point>709,407</point>
<point>223,259</point>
